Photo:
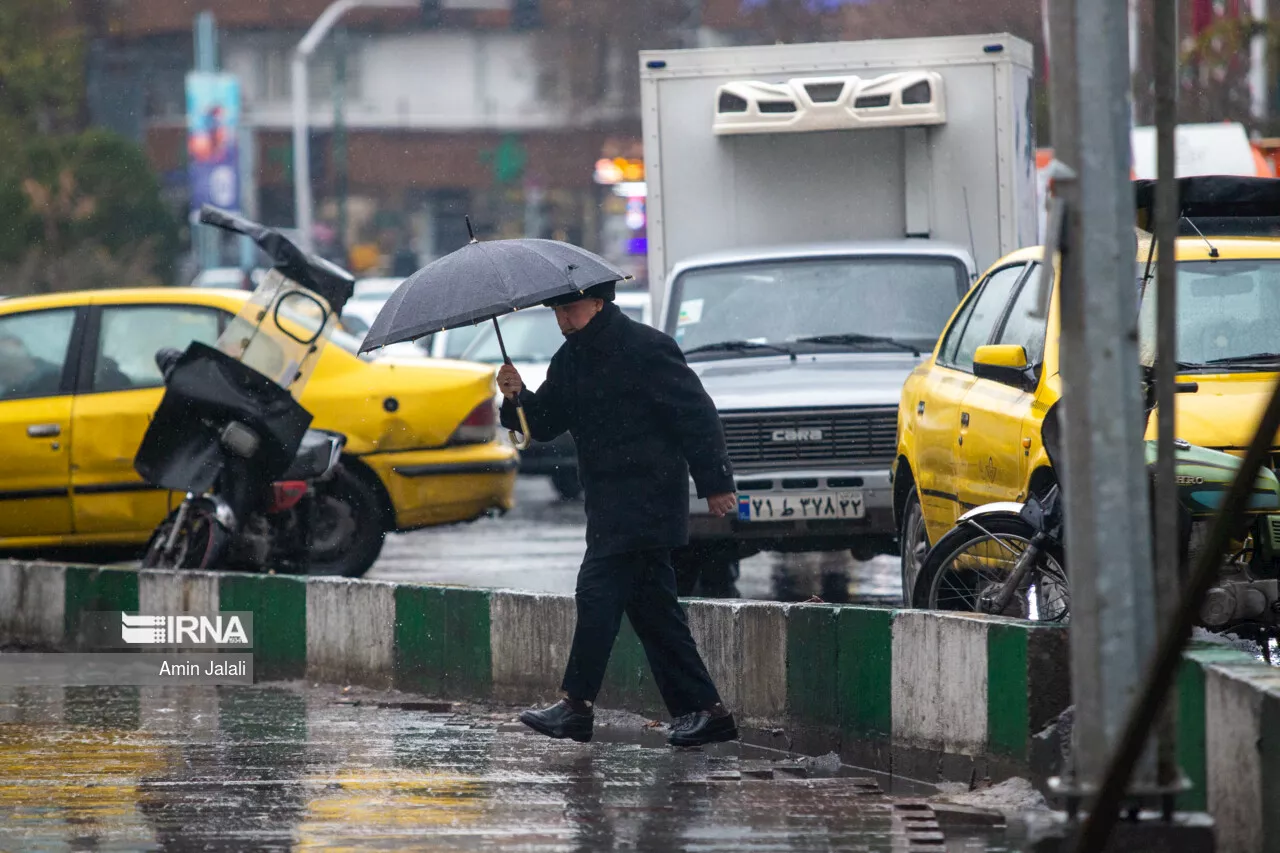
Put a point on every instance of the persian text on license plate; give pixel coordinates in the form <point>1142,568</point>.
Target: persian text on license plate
<point>792,507</point>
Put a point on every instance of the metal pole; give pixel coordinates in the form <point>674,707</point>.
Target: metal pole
<point>301,143</point>
<point>1259,89</point>
<point>206,241</point>
<point>340,135</point>
<point>1104,480</point>
<point>1167,576</point>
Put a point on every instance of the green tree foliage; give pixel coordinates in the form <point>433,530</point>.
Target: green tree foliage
<point>78,208</point>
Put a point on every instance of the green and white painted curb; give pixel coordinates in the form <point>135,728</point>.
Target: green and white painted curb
<point>937,683</point>
<point>918,693</point>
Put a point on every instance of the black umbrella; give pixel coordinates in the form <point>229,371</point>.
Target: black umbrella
<point>483,281</point>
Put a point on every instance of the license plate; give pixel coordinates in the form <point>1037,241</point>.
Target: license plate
<point>793,507</point>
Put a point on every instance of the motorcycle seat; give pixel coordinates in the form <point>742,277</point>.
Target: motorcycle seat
<point>316,455</point>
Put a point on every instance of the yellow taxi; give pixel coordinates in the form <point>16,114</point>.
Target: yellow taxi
<point>969,417</point>
<point>79,383</point>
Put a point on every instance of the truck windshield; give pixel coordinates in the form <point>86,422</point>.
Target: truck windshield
<point>904,299</point>
<point>1228,315</point>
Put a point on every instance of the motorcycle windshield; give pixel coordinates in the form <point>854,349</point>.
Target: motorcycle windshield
<point>182,449</point>
<point>280,332</point>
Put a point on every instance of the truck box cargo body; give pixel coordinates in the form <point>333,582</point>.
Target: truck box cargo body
<point>814,216</point>
<point>795,168</point>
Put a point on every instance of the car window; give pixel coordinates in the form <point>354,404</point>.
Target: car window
<point>529,336</point>
<point>988,306</point>
<point>33,352</point>
<point>130,335</point>
<point>951,341</point>
<point>1020,327</point>
<point>457,341</point>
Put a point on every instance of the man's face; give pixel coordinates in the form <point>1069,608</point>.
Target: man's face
<point>576,315</point>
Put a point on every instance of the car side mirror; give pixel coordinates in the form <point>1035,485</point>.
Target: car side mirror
<point>1004,363</point>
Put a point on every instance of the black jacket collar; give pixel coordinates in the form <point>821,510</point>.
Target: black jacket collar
<point>600,332</point>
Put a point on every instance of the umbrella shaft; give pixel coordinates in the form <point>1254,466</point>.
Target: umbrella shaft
<point>501,345</point>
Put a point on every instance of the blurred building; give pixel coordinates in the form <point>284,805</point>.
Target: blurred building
<point>523,114</point>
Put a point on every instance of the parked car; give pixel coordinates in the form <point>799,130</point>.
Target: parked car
<point>969,417</point>
<point>369,297</point>
<point>79,382</point>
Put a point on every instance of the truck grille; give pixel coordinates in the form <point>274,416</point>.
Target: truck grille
<point>811,437</point>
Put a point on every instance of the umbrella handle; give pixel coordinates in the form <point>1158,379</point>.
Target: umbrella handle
<point>523,441</point>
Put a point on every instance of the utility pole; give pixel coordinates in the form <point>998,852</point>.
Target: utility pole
<point>1259,80</point>
<point>340,134</point>
<point>1104,481</point>
<point>206,242</point>
<point>301,139</point>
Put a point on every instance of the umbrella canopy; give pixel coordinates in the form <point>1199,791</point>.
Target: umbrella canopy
<point>481,281</point>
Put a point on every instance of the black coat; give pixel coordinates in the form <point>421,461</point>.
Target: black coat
<point>642,423</point>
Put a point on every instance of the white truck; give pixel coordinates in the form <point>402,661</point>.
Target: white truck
<point>815,214</point>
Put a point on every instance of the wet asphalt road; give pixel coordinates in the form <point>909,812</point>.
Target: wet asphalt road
<point>538,546</point>
<point>297,767</point>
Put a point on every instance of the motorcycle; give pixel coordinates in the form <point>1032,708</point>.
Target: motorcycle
<point>230,435</point>
<point>1008,558</point>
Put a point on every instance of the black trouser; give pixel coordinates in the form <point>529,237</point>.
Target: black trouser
<point>641,584</point>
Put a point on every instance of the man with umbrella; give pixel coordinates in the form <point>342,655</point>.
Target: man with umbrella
<point>642,424</point>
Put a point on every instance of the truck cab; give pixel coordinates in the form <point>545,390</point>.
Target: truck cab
<point>804,350</point>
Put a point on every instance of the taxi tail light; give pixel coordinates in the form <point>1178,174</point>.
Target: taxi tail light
<point>285,495</point>
<point>480,426</point>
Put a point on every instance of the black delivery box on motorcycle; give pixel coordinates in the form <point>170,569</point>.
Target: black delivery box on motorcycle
<point>207,389</point>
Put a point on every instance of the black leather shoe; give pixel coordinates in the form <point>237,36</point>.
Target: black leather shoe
<point>559,721</point>
<point>701,728</point>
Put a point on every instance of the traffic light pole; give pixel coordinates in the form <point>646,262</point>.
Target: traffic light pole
<point>302,200</point>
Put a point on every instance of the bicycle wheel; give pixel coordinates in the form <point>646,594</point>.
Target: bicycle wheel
<point>967,569</point>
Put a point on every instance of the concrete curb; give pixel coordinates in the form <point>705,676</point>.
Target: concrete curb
<point>925,695</point>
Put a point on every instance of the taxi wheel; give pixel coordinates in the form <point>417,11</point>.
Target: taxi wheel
<point>348,533</point>
<point>915,545</point>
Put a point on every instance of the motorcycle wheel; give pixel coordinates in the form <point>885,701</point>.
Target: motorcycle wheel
<point>202,542</point>
<point>348,533</point>
<point>972,560</point>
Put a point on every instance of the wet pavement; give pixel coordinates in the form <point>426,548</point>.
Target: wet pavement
<point>304,767</point>
<point>547,535</point>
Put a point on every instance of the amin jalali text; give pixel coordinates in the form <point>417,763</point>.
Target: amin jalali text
<point>225,668</point>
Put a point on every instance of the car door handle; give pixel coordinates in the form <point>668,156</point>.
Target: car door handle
<point>43,430</point>
<point>920,408</point>
<point>964,419</point>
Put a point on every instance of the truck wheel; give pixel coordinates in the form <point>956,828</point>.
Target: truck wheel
<point>566,482</point>
<point>709,570</point>
<point>915,545</point>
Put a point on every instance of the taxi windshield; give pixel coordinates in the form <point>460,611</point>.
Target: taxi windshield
<point>907,299</point>
<point>1228,315</point>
